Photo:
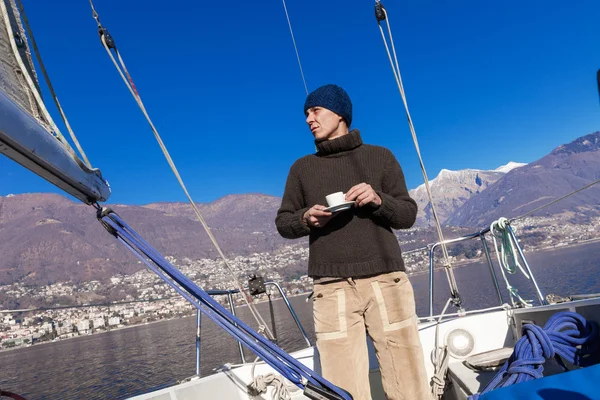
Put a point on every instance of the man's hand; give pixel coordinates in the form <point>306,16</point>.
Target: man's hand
<point>363,194</point>
<point>316,216</point>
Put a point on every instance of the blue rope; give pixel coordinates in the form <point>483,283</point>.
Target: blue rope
<point>559,338</point>
<point>282,362</point>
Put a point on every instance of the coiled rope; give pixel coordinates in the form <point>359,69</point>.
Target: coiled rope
<point>260,384</point>
<point>567,336</point>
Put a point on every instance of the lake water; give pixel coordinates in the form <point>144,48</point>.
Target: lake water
<point>125,362</point>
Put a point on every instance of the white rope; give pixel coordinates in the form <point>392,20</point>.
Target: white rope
<point>50,87</point>
<point>396,69</point>
<point>438,380</point>
<point>260,384</point>
<point>440,358</point>
<point>295,46</point>
<point>506,252</point>
<point>129,82</point>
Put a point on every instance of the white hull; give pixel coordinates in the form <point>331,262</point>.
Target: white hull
<point>491,331</point>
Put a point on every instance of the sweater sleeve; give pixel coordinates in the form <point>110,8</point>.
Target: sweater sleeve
<point>397,210</point>
<point>289,216</point>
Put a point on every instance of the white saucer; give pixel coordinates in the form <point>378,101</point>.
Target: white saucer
<point>340,207</point>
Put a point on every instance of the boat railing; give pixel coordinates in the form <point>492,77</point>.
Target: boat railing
<point>231,303</point>
<point>480,235</point>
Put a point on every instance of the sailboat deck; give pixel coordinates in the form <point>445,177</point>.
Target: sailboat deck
<point>491,331</point>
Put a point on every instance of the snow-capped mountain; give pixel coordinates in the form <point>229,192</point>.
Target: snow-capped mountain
<point>509,167</point>
<point>450,189</point>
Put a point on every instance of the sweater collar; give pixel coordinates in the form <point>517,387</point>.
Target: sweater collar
<point>343,143</point>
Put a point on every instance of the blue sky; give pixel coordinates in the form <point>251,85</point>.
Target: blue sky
<point>487,83</point>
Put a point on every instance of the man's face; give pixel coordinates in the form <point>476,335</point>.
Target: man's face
<point>323,123</point>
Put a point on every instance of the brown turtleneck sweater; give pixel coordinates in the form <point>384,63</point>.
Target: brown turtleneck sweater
<point>359,241</point>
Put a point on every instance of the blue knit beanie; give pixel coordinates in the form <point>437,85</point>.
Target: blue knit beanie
<point>333,98</point>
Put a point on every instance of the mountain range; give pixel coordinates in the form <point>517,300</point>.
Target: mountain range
<point>45,238</point>
<point>450,189</point>
<point>521,190</point>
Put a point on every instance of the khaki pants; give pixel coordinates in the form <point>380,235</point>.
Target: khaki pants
<point>384,307</point>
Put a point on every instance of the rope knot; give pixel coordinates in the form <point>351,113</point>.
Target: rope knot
<point>501,224</point>
<point>261,383</point>
<point>258,386</point>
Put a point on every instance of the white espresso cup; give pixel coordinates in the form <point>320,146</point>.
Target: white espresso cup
<point>335,199</point>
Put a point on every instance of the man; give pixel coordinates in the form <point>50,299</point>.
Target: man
<point>354,259</point>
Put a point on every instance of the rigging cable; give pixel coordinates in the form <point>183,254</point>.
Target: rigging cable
<point>381,15</point>
<point>555,201</point>
<point>295,46</point>
<point>108,43</point>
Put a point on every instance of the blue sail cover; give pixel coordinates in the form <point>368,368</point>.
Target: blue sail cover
<point>580,384</point>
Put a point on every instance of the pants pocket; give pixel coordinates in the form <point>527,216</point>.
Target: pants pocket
<point>396,301</point>
<point>329,313</point>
